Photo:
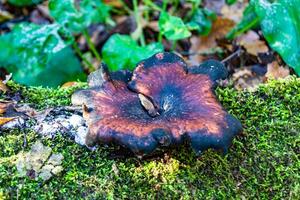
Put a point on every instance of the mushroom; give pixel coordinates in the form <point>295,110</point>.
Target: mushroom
<point>162,103</point>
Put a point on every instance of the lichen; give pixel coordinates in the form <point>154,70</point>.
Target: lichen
<point>39,162</point>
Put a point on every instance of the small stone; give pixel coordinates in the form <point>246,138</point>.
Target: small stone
<point>76,121</point>
<point>66,124</point>
<point>80,135</point>
<point>47,129</point>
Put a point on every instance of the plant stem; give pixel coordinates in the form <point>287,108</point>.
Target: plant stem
<point>174,44</point>
<point>126,8</point>
<point>174,7</point>
<point>160,35</point>
<point>234,54</point>
<point>165,3</point>
<point>195,6</point>
<point>152,5</point>
<point>77,50</point>
<point>138,21</point>
<point>91,45</point>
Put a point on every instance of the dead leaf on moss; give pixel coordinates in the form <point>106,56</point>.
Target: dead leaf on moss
<point>4,105</point>
<point>69,84</point>
<point>12,109</point>
<point>4,120</point>
<point>5,15</point>
<point>243,78</point>
<point>251,42</point>
<point>3,83</point>
<point>204,44</point>
<point>39,162</point>
<point>276,71</point>
<point>3,87</point>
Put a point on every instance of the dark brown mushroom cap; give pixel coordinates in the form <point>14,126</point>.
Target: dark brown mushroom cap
<point>165,103</point>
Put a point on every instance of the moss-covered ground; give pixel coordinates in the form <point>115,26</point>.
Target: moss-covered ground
<point>263,162</point>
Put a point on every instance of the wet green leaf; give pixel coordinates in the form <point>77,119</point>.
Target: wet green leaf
<point>37,55</point>
<point>24,2</point>
<point>230,2</point>
<point>122,52</point>
<point>77,18</point>
<point>173,28</point>
<point>280,24</point>
<point>201,21</point>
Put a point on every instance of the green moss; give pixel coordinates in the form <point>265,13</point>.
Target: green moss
<point>41,97</point>
<point>263,162</point>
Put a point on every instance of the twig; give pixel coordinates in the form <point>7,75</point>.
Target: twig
<point>79,53</point>
<point>91,45</point>
<point>234,54</point>
<point>211,51</point>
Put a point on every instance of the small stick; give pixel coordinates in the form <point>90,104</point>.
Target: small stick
<point>234,54</point>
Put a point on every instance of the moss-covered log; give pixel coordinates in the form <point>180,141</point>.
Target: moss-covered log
<point>262,163</point>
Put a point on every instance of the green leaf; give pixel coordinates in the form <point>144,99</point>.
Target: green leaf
<point>172,27</point>
<point>195,1</point>
<point>77,19</point>
<point>95,11</point>
<point>249,20</point>
<point>201,21</point>
<point>24,2</point>
<point>230,2</point>
<point>37,55</point>
<point>122,52</point>
<point>280,24</point>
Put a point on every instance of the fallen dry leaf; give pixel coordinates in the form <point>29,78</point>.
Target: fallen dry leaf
<point>4,105</point>
<point>235,11</point>
<point>114,3</point>
<point>204,44</point>
<point>4,16</point>
<point>69,84</point>
<point>13,113</point>
<point>251,42</point>
<point>243,78</point>
<point>3,87</point>
<point>8,113</point>
<point>153,25</point>
<point>4,120</point>
<point>276,71</point>
<point>215,5</point>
